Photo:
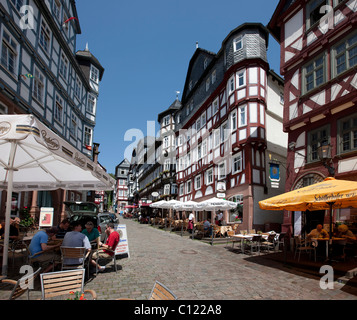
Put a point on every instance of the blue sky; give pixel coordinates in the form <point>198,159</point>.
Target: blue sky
<point>145,48</point>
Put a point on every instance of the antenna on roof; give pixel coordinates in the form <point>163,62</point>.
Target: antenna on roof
<point>87,48</point>
<point>196,44</point>
<point>177,94</point>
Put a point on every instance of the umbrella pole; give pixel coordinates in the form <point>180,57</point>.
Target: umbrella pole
<point>214,214</point>
<point>8,210</point>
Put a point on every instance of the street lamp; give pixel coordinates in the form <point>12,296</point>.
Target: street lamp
<point>324,152</point>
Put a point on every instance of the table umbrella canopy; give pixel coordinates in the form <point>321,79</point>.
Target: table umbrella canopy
<point>330,193</point>
<point>214,204</point>
<point>164,204</point>
<point>188,205</point>
<point>157,204</point>
<point>32,157</point>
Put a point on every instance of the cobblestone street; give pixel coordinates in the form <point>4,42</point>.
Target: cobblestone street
<point>198,271</point>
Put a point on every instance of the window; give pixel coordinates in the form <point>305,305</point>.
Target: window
<point>188,186</point>
<point>240,78</point>
<point>63,66</point>
<point>17,4</point>
<point>222,171</point>
<point>167,189</point>
<point>45,36</point>
<point>242,116</point>
<point>199,151</point>
<point>209,176</point>
<point>73,127</point>
<point>94,74</point>
<point>203,119</point>
<point>39,86</point>
<point>204,147</point>
<point>167,165</point>
<point>238,43</point>
<point>188,160</point>
<point>314,74</point>
<point>345,55</point>
<point>214,76</point>
<point>77,88</point>
<point>234,120</point>
<point>57,9</point>
<point>87,136</point>
<point>9,52</point>
<point>181,190</point>
<point>166,142</point>
<point>231,85</point>
<point>91,103</point>
<point>215,106</point>
<point>314,12</point>
<point>315,139</point>
<point>237,163</point>
<point>58,109</point>
<point>224,131</point>
<point>166,121</point>
<point>216,137</point>
<point>348,134</point>
<point>198,182</point>
<point>198,124</point>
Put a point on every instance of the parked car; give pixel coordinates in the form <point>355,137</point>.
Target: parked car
<point>89,211</point>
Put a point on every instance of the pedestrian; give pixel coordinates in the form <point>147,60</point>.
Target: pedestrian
<point>47,256</point>
<point>106,251</point>
<point>191,220</point>
<point>76,238</point>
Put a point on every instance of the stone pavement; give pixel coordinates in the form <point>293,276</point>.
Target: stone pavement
<point>198,271</point>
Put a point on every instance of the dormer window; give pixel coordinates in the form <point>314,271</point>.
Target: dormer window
<point>94,74</point>
<point>238,43</point>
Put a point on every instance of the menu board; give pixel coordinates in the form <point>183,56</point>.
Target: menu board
<point>123,246</point>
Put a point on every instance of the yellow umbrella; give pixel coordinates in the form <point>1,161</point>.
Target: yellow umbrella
<point>328,194</point>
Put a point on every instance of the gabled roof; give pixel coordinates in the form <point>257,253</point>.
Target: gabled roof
<point>274,23</point>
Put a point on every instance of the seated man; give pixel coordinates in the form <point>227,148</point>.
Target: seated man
<point>39,243</point>
<point>318,232</point>
<point>91,232</point>
<point>207,227</point>
<point>111,243</point>
<point>75,238</point>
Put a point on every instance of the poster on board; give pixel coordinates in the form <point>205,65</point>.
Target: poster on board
<point>123,246</point>
<point>46,217</point>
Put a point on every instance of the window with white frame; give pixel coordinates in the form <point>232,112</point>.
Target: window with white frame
<point>214,76</point>
<point>315,11</point>
<point>231,85</point>
<point>234,120</point>
<point>91,103</point>
<point>225,131</point>
<point>94,74</point>
<point>345,55</point>
<point>198,124</point>
<point>188,160</point>
<point>167,163</point>
<point>241,78</point>
<point>188,186</point>
<point>242,116</point>
<point>57,9</point>
<point>9,52</point>
<point>166,142</point>
<point>73,127</point>
<point>77,88</point>
<point>166,121</point>
<point>204,148</point>
<point>238,43</point>
<point>181,189</point>
<point>215,106</point>
<point>216,135</point>
<point>222,170</point>
<point>209,176</point>
<point>63,69</point>
<point>314,73</point>
<point>198,182</point>
<point>17,4</point>
<point>347,134</point>
<point>199,151</point>
<point>203,119</point>
<point>237,163</point>
<point>45,36</point>
<point>87,136</point>
<point>39,86</point>
<point>58,109</point>
<point>167,189</point>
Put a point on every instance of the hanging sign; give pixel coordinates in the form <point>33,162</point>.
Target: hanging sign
<point>46,217</point>
<point>274,176</point>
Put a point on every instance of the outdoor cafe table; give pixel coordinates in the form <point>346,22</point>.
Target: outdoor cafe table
<point>249,236</point>
<point>328,243</point>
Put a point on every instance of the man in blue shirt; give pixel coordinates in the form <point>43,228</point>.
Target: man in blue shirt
<point>43,253</point>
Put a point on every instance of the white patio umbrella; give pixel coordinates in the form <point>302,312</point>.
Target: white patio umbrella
<point>33,157</point>
<point>215,204</point>
<point>188,205</point>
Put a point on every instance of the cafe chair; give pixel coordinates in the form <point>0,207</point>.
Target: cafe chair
<point>61,283</point>
<point>269,243</point>
<point>21,286</point>
<point>280,240</point>
<point>78,253</point>
<point>114,260</point>
<point>254,243</point>
<point>161,292</point>
<point>252,231</point>
<point>305,246</point>
<point>230,238</point>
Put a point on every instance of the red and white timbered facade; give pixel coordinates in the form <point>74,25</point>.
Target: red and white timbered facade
<point>318,41</point>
